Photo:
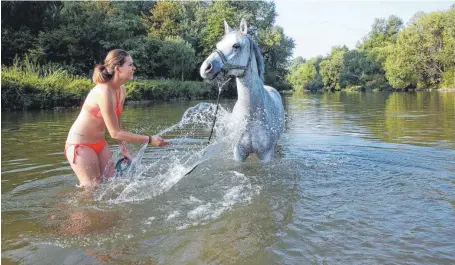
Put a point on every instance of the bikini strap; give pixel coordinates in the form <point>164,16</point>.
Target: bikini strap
<point>117,96</point>
<point>76,146</point>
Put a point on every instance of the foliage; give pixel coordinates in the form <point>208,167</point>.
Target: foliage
<point>362,72</point>
<point>448,78</point>
<point>170,39</point>
<point>28,85</point>
<point>177,56</point>
<point>391,57</point>
<point>214,30</point>
<point>77,35</point>
<point>165,90</point>
<point>331,68</point>
<point>296,62</point>
<point>383,34</point>
<point>276,46</point>
<point>21,23</point>
<point>303,75</point>
<point>424,52</point>
<point>86,31</point>
<point>164,19</point>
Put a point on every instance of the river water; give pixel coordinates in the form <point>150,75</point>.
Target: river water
<point>358,178</point>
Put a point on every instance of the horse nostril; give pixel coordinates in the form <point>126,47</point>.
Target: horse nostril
<point>208,68</point>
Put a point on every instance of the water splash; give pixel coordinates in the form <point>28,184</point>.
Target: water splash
<point>149,177</point>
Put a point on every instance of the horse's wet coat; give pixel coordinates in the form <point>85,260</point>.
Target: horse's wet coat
<point>259,110</point>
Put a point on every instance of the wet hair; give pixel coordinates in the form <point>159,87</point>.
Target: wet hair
<point>104,72</point>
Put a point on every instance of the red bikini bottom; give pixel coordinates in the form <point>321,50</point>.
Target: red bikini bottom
<point>97,147</point>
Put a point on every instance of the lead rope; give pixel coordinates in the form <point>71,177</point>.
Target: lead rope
<point>213,124</point>
<point>217,105</point>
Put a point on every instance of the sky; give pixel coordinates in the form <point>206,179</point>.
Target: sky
<point>317,26</point>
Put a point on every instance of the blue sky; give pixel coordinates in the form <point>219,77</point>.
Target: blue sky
<point>316,26</point>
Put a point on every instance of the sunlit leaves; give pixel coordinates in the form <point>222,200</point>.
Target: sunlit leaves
<point>165,19</point>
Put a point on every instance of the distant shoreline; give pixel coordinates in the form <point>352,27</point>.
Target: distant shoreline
<point>368,91</point>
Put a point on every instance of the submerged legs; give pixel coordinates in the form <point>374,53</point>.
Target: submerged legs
<point>267,156</point>
<point>240,154</point>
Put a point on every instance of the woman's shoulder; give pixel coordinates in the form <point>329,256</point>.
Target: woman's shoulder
<point>123,88</point>
<point>103,89</point>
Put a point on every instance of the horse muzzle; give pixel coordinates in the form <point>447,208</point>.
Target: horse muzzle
<point>210,68</point>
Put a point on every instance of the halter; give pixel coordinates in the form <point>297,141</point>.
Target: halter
<point>227,66</point>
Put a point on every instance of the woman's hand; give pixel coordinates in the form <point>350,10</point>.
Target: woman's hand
<point>128,155</point>
<point>158,141</point>
<point>125,151</point>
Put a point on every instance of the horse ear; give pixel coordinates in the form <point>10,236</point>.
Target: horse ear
<point>227,29</point>
<point>243,26</point>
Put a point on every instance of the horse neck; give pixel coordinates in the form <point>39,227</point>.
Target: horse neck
<point>250,88</point>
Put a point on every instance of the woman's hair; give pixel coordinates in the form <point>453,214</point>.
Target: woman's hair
<point>104,73</point>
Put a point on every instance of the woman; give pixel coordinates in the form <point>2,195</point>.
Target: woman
<point>86,148</point>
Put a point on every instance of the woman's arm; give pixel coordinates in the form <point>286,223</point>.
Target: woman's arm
<point>123,144</point>
<point>107,108</point>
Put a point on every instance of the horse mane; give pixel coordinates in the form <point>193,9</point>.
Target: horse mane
<point>259,58</point>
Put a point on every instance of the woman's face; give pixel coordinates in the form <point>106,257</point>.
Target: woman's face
<point>126,71</point>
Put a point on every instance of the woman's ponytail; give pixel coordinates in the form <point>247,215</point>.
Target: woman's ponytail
<point>104,72</point>
<point>100,74</point>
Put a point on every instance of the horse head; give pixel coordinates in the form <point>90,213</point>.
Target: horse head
<point>233,55</point>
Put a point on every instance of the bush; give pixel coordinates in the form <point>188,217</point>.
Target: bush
<point>448,79</point>
<point>167,89</point>
<point>354,88</point>
<point>30,86</point>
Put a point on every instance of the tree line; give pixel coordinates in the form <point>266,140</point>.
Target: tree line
<point>168,40</point>
<point>393,56</point>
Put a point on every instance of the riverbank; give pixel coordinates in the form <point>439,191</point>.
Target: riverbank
<point>41,87</point>
<point>37,88</point>
<point>376,90</point>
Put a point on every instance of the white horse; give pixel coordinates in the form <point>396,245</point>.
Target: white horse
<point>259,106</point>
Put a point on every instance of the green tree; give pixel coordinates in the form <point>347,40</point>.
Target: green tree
<point>214,29</point>
<point>278,49</point>
<point>22,21</point>
<point>76,35</point>
<point>193,29</point>
<point>178,57</point>
<point>259,14</point>
<point>88,30</point>
<point>165,19</point>
<point>302,75</point>
<point>383,34</point>
<point>424,52</point>
<point>296,62</point>
<point>331,68</point>
<point>361,71</point>
<point>146,59</point>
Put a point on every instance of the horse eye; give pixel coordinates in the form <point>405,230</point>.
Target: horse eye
<point>236,46</point>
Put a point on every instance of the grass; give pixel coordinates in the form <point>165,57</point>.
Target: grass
<point>28,85</point>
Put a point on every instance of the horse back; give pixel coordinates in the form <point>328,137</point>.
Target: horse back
<point>276,99</point>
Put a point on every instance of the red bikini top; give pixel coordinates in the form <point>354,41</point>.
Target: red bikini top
<point>96,112</point>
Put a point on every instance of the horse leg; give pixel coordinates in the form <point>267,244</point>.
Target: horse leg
<point>267,156</point>
<point>240,154</point>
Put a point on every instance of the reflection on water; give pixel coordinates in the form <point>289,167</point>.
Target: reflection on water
<point>420,118</point>
<point>352,173</point>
